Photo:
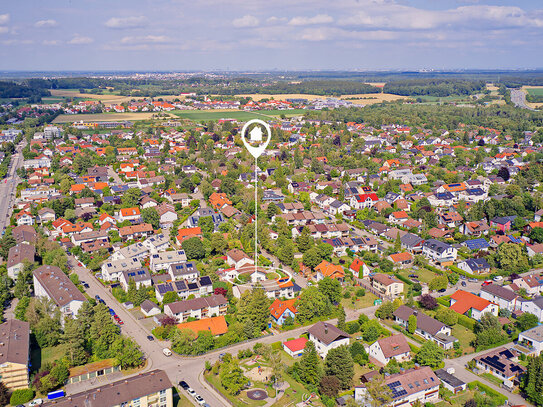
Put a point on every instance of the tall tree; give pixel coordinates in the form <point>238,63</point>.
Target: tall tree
<point>310,365</point>
<point>339,363</point>
<point>331,288</point>
<point>430,354</point>
<point>341,319</point>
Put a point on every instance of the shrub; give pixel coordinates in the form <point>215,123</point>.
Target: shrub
<point>466,321</point>
<point>353,327</point>
<point>347,294</point>
<point>360,292</point>
<point>21,396</point>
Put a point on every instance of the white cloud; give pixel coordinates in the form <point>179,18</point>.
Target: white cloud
<point>51,42</point>
<point>318,19</point>
<point>45,23</point>
<point>332,33</point>
<point>246,21</point>
<point>122,23</point>
<point>273,19</point>
<point>147,39</point>
<point>80,40</point>
<point>4,19</point>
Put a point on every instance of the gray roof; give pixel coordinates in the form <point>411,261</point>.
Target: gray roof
<point>20,252</point>
<point>57,285</point>
<point>448,378</point>
<point>148,305</point>
<point>197,303</point>
<point>410,240</point>
<point>424,322</point>
<point>499,291</point>
<point>14,342</point>
<point>436,245</point>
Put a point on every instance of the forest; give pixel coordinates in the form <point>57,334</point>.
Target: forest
<point>14,90</point>
<point>434,87</point>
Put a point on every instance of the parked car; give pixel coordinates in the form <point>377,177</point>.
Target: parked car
<point>86,285</point>
<point>442,290</point>
<point>462,277</point>
<point>199,399</point>
<point>485,283</point>
<point>473,280</point>
<point>97,298</point>
<point>37,402</point>
<point>150,337</point>
<point>184,385</point>
<point>167,352</point>
<point>463,284</point>
<point>498,278</point>
<point>112,312</point>
<point>190,391</point>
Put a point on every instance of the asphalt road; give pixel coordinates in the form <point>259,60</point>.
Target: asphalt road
<point>518,97</point>
<point>8,185</point>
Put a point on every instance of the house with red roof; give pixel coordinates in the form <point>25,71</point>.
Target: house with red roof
<point>281,310</point>
<point>401,259</point>
<point>473,306</point>
<point>295,347</point>
<point>362,201</point>
<point>359,268</point>
<point>327,269</point>
<point>131,214</point>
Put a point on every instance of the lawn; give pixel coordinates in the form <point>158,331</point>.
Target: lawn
<point>360,302</point>
<point>464,336</point>
<point>457,400</point>
<point>425,275</point>
<point>203,115</point>
<point>39,357</point>
<point>492,379</point>
<point>241,399</point>
<point>102,117</point>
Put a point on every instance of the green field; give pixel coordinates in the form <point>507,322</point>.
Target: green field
<point>535,91</point>
<point>203,115</point>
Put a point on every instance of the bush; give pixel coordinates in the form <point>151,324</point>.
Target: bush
<point>353,327</point>
<point>497,397</point>
<point>466,321</point>
<point>21,396</point>
<point>404,279</point>
<point>347,294</point>
<point>360,292</point>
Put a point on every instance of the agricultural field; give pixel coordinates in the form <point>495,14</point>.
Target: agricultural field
<point>217,114</point>
<point>536,91</point>
<point>359,99</point>
<point>102,117</point>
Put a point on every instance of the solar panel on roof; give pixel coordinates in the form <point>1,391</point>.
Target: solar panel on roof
<point>192,286</point>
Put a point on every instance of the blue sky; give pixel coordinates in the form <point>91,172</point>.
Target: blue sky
<point>270,34</point>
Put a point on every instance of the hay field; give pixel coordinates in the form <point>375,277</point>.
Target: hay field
<point>533,90</point>
<point>107,99</point>
<point>107,117</point>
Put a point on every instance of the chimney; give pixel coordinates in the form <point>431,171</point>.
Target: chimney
<point>325,328</point>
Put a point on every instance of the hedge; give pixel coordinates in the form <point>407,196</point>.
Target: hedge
<point>404,279</point>
<point>499,398</point>
<point>466,321</point>
<point>464,273</point>
<point>434,269</point>
<point>414,349</point>
<point>21,396</point>
<point>445,300</point>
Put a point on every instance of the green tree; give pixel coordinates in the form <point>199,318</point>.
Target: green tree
<point>412,324</point>
<point>341,319</point>
<point>447,316</point>
<point>4,394</point>
<point>150,215</point>
<point>312,258</point>
<point>127,353</point>
<point>206,224</point>
<point>371,330</point>
<point>438,283</point>
<point>532,382</point>
<point>512,258</point>
<point>380,393</point>
<point>358,353</point>
<point>430,354</point>
<point>339,363</point>
<point>169,297</point>
<point>254,305</point>
<point>305,241</point>
<point>218,243</point>
<point>386,310</point>
<point>526,321</point>
<point>330,386</point>
<point>194,248</point>
<point>74,338</point>
<point>272,210</point>
<point>326,250</point>
<point>331,288</point>
<point>312,304</point>
<point>232,377</point>
<point>131,198</point>
<point>310,369</point>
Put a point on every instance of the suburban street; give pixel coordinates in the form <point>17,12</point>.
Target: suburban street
<point>8,186</point>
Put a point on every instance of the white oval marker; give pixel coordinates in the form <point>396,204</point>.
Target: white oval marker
<point>256,135</point>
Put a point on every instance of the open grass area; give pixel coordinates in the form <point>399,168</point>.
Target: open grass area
<point>105,117</point>
<point>239,400</point>
<point>492,379</point>
<point>535,91</point>
<point>464,336</point>
<point>425,275</point>
<point>458,400</point>
<point>359,302</point>
<point>199,115</point>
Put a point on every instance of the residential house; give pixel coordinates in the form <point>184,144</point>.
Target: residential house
<point>167,214</point>
<point>183,271</point>
<point>533,284</point>
<point>136,250</point>
<point>427,327</point>
<point>18,255</point>
<point>450,381</point>
<point>472,305</point>
<point>359,268</point>
<point>532,339</point>
<point>327,269</point>
<point>474,228</point>
<point>52,283</point>
<point>281,310</point>
<point>112,269</point>
<point>506,299</point>
<point>474,266</point>
<point>131,214</point>
<point>134,232</point>
<point>152,388</point>
<point>156,243</point>
<point>46,215</point>
<point>237,258</point>
<point>216,325</point>
<point>392,347</point>
<point>503,223</point>
<point>408,387</point>
<point>187,233</point>
<point>404,259</point>
<point>326,336</point>
<point>388,286</point>
<point>204,307</point>
<point>162,261</point>
<point>149,308</point>
<point>15,354</point>
<point>438,251</point>
<point>534,307</point>
<point>411,242</point>
<point>217,218</point>
<point>502,363</point>
<point>141,278</point>
<point>202,286</point>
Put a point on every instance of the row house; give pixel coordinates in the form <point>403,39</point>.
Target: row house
<point>198,308</point>
<point>201,287</point>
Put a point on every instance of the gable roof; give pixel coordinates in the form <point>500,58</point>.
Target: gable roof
<point>394,345</point>
<point>296,345</point>
<point>328,269</point>
<point>465,301</point>
<point>216,325</point>
<point>327,333</point>
<point>424,322</point>
<point>278,307</point>
<point>500,292</point>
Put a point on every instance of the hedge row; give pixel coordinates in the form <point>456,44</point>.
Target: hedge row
<point>464,273</point>
<point>499,398</point>
<point>404,279</point>
<point>434,269</point>
<point>466,321</point>
<point>445,301</point>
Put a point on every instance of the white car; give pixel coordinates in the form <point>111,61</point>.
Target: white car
<point>199,399</point>
<point>37,402</point>
<point>167,352</point>
<point>498,278</point>
<point>191,391</point>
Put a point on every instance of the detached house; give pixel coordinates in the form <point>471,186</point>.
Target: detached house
<point>427,327</point>
<point>388,286</point>
<point>472,305</point>
<point>281,310</point>
<point>204,307</point>
<point>392,347</point>
<point>359,268</point>
<point>130,214</point>
<point>327,269</point>
<point>438,251</point>
<point>506,299</point>
<point>326,336</point>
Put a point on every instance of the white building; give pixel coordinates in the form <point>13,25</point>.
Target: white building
<point>162,261</point>
<point>326,336</point>
<point>112,269</point>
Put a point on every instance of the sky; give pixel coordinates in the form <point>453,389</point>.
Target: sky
<point>265,35</point>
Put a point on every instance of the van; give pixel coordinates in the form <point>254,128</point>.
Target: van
<point>167,352</point>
